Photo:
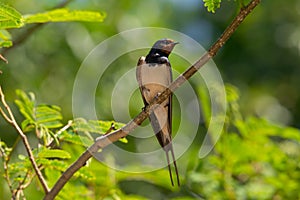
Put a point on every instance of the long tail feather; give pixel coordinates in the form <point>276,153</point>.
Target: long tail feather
<point>169,167</point>
<point>176,170</point>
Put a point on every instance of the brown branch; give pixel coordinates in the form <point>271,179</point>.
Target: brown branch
<point>11,119</point>
<point>107,139</point>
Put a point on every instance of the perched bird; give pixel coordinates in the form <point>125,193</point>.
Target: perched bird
<point>154,75</point>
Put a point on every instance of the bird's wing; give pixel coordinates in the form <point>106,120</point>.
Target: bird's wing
<point>165,60</point>
<point>170,102</point>
<point>140,63</point>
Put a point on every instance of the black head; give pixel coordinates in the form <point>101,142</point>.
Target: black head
<point>163,47</point>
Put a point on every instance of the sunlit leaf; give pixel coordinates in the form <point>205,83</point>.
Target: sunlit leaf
<point>27,125</point>
<point>49,116</point>
<point>63,15</point>
<point>85,173</point>
<point>25,104</point>
<point>76,139</point>
<point>212,5</point>
<point>95,126</point>
<point>10,17</point>
<point>41,118</point>
<point>53,153</point>
<point>124,140</point>
<point>5,39</point>
<point>291,133</point>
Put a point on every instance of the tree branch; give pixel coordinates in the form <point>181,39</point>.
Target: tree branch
<point>107,139</point>
<point>11,119</point>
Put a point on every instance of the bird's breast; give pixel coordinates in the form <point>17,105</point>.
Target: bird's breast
<point>155,79</point>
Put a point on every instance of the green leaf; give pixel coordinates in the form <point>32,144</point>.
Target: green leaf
<point>54,136</point>
<point>5,44</point>
<point>54,153</point>
<point>95,126</point>
<point>59,165</point>
<point>27,125</point>
<point>10,17</point>
<point>49,116</point>
<point>5,39</point>
<point>212,5</point>
<point>85,173</point>
<point>232,93</point>
<point>21,157</point>
<point>25,104</point>
<point>18,171</point>
<point>291,133</point>
<point>42,118</point>
<point>76,139</point>
<point>51,175</point>
<point>124,140</point>
<point>63,15</point>
<point>4,151</point>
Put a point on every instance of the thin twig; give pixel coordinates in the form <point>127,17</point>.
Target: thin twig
<point>3,59</point>
<point>70,122</point>
<point>22,185</point>
<point>11,119</point>
<point>105,140</point>
<point>4,115</point>
<point>52,143</point>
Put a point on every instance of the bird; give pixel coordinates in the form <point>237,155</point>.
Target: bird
<point>154,75</point>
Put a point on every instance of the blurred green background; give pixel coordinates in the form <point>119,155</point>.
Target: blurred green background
<point>261,59</point>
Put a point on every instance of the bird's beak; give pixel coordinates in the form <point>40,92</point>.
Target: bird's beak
<point>172,45</point>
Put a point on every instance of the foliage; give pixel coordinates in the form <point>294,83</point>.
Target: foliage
<point>254,159</point>
<point>64,15</point>
<point>212,5</point>
<point>42,118</point>
<point>46,122</point>
<point>11,18</point>
<point>5,39</point>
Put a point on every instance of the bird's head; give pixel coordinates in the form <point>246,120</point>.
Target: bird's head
<point>165,45</point>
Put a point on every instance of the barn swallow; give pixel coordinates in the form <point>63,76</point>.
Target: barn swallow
<point>154,75</point>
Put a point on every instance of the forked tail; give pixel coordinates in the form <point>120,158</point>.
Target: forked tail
<point>175,166</point>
